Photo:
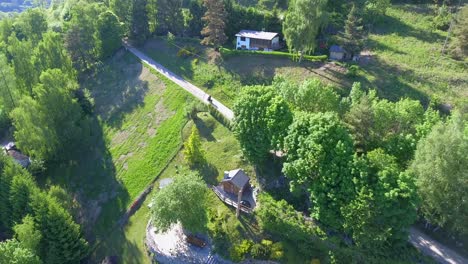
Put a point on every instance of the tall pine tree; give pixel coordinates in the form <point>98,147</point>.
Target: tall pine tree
<point>214,17</point>
<point>353,35</point>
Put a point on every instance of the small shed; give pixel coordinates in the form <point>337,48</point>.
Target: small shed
<point>257,40</point>
<point>337,53</point>
<point>235,181</point>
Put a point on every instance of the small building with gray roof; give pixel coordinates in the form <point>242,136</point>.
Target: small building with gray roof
<point>235,181</point>
<point>257,40</point>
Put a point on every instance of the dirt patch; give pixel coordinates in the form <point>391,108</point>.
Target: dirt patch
<point>123,158</point>
<point>159,115</point>
<point>120,137</point>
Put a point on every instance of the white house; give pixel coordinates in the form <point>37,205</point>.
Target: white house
<point>257,40</point>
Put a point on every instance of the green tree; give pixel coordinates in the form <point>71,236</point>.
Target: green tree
<point>48,126</point>
<point>441,170</point>
<point>6,177</point>
<point>193,151</point>
<point>168,17</point>
<point>25,72</point>
<point>122,9</point>
<point>139,24</point>
<point>50,53</point>
<point>214,17</point>
<point>13,252</point>
<point>28,235</point>
<point>31,24</point>
<point>302,23</point>
<point>385,205</point>
<point>22,186</point>
<point>62,241</point>
<point>262,119</point>
<point>183,201</point>
<point>314,96</point>
<point>319,159</point>
<point>108,34</point>
<point>8,93</point>
<point>80,32</point>
<point>353,36</point>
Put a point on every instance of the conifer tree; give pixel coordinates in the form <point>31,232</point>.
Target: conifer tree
<point>61,237</point>
<point>22,186</point>
<point>193,151</point>
<point>214,17</point>
<point>27,234</point>
<point>352,37</point>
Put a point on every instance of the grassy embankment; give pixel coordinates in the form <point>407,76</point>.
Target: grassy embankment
<point>137,127</point>
<point>405,62</point>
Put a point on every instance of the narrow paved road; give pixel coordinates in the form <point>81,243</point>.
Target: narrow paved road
<point>437,251</point>
<point>197,92</point>
<point>428,246</point>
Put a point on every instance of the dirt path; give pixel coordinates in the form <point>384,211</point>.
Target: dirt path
<point>430,247</point>
<point>197,92</point>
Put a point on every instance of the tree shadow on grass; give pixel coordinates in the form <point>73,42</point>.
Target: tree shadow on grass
<point>390,25</point>
<point>208,172</point>
<point>117,88</point>
<point>392,82</point>
<point>205,130</point>
<point>116,244</point>
<point>258,69</point>
<point>90,178</point>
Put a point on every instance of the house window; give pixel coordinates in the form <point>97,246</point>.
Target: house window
<point>242,38</point>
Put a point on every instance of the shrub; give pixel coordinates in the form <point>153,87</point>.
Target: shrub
<point>227,53</point>
<point>187,51</point>
<point>352,71</point>
<point>37,167</point>
<point>219,117</point>
<point>193,108</point>
<point>240,251</point>
<point>267,250</point>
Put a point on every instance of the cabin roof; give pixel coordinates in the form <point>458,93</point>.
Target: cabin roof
<point>257,34</point>
<point>237,177</point>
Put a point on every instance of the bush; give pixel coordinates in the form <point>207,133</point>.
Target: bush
<point>219,117</point>
<point>267,250</point>
<point>187,51</point>
<point>37,167</point>
<point>442,19</point>
<point>240,251</point>
<point>352,71</point>
<point>227,53</point>
<point>193,108</point>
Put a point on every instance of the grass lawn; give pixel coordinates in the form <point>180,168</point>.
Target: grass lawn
<point>407,59</point>
<point>136,129</point>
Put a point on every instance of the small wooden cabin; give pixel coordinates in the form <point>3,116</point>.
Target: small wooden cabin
<point>257,40</point>
<point>234,181</point>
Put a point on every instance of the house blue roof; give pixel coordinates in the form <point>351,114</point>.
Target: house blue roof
<point>336,48</point>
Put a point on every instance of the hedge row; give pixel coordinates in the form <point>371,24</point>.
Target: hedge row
<point>228,52</point>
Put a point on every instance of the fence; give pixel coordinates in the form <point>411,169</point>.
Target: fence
<point>229,201</point>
